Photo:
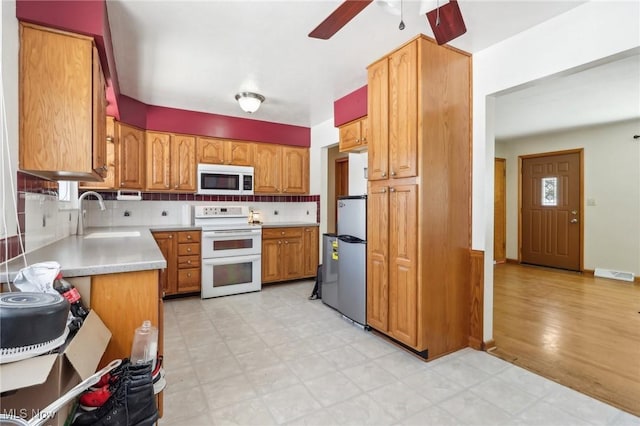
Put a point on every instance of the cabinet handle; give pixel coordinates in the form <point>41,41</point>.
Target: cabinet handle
<point>175,187</point>
<point>286,242</point>
<point>384,174</point>
<point>189,274</point>
<point>392,190</point>
<point>188,237</point>
<point>393,173</point>
<point>170,237</point>
<point>189,249</point>
<point>121,183</point>
<point>357,140</point>
<point>279,242</point>
<point>384,190</point>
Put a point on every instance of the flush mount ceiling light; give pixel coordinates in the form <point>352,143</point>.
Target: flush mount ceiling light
<point>249,101</point>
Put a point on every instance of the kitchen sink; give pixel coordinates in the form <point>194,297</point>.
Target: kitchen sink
<point>113,234</point>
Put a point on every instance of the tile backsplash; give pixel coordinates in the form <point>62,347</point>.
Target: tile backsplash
<point>43,219</point>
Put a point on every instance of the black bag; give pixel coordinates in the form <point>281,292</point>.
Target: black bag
<point>317,288</point>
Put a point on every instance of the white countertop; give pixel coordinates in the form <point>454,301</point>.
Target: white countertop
<point>288,224</point>
<point>80,256</point>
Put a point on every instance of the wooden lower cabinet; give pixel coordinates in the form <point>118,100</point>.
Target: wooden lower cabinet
<point>123,301</point>
<point>181,249</point>
<point>287,253</point>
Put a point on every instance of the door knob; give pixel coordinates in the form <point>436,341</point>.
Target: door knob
<point>573,220</point>
<point>574,212</point>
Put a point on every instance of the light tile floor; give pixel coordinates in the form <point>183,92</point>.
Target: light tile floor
<point>275,357</point>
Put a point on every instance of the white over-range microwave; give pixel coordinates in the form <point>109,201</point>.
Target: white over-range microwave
<point>219,179</point>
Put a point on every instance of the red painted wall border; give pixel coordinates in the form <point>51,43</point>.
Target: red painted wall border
<point>350,107</point>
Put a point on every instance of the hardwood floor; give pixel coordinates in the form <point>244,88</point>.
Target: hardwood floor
<point>581,331</point>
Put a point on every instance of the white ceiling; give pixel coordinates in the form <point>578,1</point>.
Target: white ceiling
<point>196,55</point>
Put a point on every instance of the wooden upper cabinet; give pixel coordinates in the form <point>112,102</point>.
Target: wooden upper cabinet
<point>183,163</point>
<point>295,170</point>
<point>62,105</point>
<point>222,151</point>
<point>171,162</point>
<point>210,150</point>
<point>353,136</point>
<point>378,120</point>
<point>158,161</point>
<point>109,181</point>
<point>131,156</point>
<point>403,112</point>
<point>281,169</point>
<point>267,163</point>
<point>239,153</point>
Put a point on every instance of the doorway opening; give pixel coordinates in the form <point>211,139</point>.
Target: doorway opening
<point>337,183</point>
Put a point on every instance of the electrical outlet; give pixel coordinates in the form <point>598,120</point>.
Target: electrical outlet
<point>127,213</point>
<point>164,213</point>
<point>307,212</point>
<point>275,212</point>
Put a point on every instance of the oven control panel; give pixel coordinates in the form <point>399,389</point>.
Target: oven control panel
<point>220,211</point>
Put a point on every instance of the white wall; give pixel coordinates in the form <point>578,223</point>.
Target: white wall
<point>8,118</point>
<point>323,136</point>
<point>587,33</point>
<point>611,181</point>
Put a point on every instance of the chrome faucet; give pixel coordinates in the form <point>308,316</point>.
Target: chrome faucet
<point>82,212</point>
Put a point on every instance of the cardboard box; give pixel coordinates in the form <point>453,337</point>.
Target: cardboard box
<point>30,385</point>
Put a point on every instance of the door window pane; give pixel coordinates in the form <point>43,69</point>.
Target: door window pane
<point>550,191</point>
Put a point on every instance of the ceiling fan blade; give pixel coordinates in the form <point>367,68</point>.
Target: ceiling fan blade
<point>446,22</point>
<point>339,18</point>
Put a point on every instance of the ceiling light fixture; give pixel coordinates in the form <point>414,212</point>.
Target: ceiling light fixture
<point>249,101</point>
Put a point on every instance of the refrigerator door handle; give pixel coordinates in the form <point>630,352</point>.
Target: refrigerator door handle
<point>350,239</point>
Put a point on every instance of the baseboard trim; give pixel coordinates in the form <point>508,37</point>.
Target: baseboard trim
<point>475,343</point>
<point>515,261</point>
<point>488,345</point>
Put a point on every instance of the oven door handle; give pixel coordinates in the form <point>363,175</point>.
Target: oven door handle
<point>231,233</point>
<point>231,259</point>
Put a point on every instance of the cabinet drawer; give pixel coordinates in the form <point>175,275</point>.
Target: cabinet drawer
<point>188,249</point>
<point>188,262</point>
<point>272,233</point>
<point>189,237</point>
<point>188,276</point>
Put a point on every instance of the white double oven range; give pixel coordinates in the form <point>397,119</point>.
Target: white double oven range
<point>231,250</point>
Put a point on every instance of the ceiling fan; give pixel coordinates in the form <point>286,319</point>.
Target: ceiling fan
<point>446,20</point>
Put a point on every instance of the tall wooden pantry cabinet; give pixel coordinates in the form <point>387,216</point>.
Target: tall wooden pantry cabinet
<point>419,197</point>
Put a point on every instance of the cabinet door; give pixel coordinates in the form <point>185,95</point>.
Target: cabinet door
<point>131,156</point>
<point>378,120</point>
<point>292,258</point>
<point>403,284</point>
<point>311,251</point>
<point>364,131</point>
<point>295,170</point>
<point>56,127</point>
<point>403,112</point>
<point>378,256</point>
<point>99,118</point>
<point>210,150</point>
<point>271,260</point>
<point>267,168</point>
<point>158,161</point>
<point>239,153</point>
<point>350,136</point>
<point>183,163</point>
<point>109,181</point>
<point>168,277</point>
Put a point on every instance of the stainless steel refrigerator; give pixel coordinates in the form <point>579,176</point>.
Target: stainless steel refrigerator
<point>352,257</point>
